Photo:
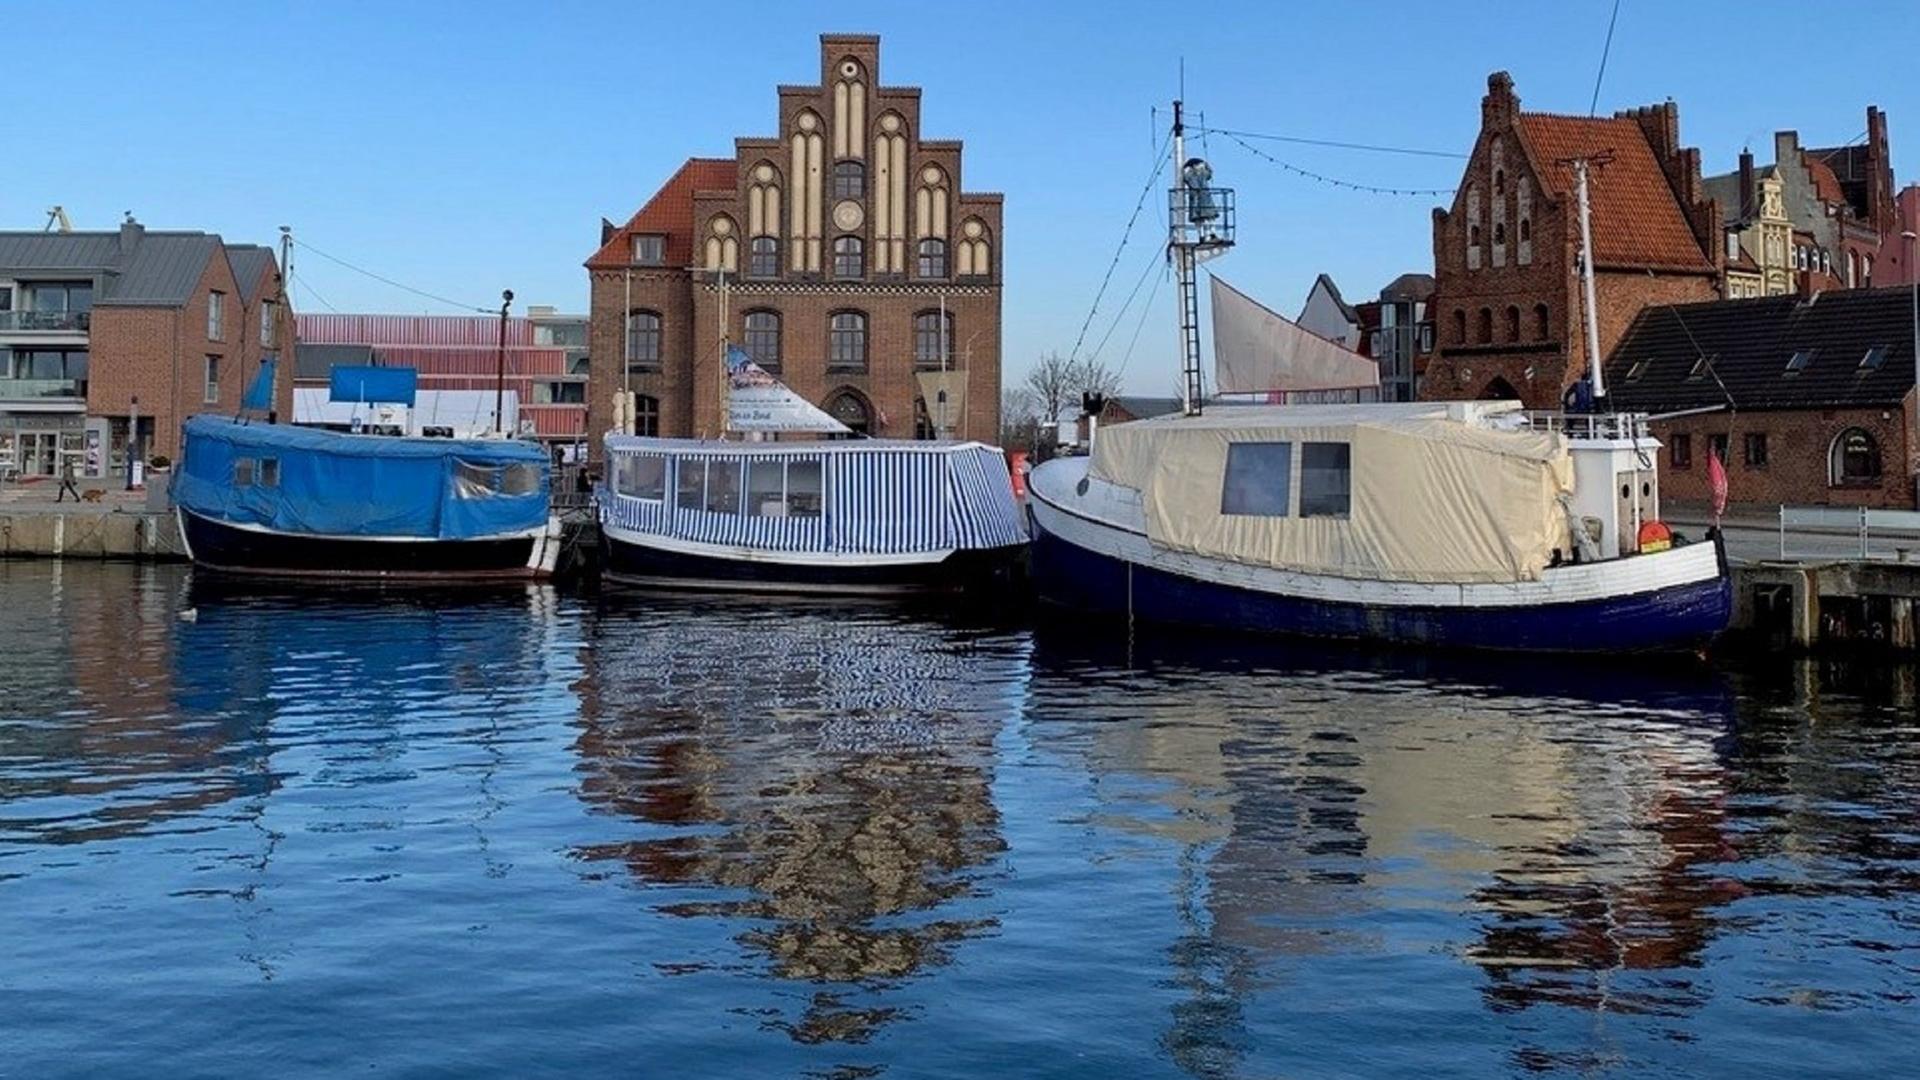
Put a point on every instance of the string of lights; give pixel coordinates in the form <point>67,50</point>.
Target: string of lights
<point>1334,143</point>
<point>1334,181</point>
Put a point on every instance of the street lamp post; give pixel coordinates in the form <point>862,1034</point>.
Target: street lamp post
<point>500,363</point>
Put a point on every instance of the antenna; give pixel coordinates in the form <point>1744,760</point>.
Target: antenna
<point>1596,377</point>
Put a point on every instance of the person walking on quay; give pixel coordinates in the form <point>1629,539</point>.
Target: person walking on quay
<point>66,481</point>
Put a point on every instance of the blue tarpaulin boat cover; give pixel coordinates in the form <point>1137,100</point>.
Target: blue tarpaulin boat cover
<point>322,483</point>
<point>396,385</point>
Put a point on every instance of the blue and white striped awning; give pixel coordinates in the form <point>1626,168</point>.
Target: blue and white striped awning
<point>869,497</point>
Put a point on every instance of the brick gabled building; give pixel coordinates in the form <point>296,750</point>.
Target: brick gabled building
<point>1806,400</point>
<point>842,238</point>
<point>113,337</point>
<point>1507,289</point>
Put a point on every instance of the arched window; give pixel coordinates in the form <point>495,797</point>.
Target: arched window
<point>1459,326</point>
<point>976,250</point>
<point>1513,323</point>
<point>1500,181</point>
<point>933,258</point>
<point>1499,232</point>
<point>849,257</point>
<point>1866,271</point>
<point>1486,326</point>
<point>1854,459</point>
<point>1541,329</point>
<point>763,257</point>
<point>646,415</point>
<point>1853,270</point>
<point>1473,236</point>
<point>849,180</point>
<point>848,407</point>
<point>847,341</point>
<point>643,341</point>
<point>1526,229</point>
<point>932,349</point>
<point>762,338</point>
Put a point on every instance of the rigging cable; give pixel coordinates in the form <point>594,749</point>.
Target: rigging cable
<point>1160,161</point>
<point>395,284</point>
<point>1349,185</point>
<point>1156,260</point>
<point>302,283</point>
<point>1140,324</point>
<point>1605,51</point>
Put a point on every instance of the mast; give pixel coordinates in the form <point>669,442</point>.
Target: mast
<point>1199,227</point>
<point>1595,373</point>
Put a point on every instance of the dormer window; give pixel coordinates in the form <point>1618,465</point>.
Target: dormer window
<point>649,249</point>
<point>1798,362</point>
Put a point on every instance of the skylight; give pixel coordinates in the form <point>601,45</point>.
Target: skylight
<point>1874,358</point>
<point>1798,362</point>
<point>1638,369</point>
<point>1701,367</point>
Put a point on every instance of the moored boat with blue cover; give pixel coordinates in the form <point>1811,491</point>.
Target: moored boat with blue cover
<point>274,499</point>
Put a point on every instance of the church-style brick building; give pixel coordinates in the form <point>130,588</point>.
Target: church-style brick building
<point>843,253</point>
<point>1507,298</point>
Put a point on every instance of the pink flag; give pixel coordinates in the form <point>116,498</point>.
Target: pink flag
<point>1717,483</point>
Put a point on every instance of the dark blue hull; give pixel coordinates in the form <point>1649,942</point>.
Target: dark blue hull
<point>1679,619</point>
<point>219,546</point>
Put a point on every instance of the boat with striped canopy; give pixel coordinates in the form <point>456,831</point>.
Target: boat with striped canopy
<point>859,516</point>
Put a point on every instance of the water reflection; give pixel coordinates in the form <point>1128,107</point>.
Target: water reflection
<point>115,723</point>
<point>834,766</point>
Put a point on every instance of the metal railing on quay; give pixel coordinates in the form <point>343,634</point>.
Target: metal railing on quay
<point>1859,522</point>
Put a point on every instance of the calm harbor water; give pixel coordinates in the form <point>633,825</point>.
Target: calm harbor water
<point>523,833</point>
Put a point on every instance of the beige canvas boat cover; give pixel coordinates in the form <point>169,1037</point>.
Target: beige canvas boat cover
<point>1439,492</point>
<point>1257,349</point>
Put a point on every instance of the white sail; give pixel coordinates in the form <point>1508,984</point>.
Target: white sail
<point>756,401</point>
<point>1257,350</point>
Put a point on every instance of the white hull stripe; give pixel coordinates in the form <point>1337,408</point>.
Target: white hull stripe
<point>735,553</point>
<point>1560,585</point>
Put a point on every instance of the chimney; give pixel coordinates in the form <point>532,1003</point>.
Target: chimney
<point>1746,184</point>
<point>1499,107</point>
<point>130,233</point>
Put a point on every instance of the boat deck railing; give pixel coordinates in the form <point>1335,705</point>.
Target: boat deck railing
<point>1590,425</point>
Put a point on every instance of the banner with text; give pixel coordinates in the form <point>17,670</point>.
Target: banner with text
<point>756,401</point>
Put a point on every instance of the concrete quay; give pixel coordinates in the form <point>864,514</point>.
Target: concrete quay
<point>122,529</point>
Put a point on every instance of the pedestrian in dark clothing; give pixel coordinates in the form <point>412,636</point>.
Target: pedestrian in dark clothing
<point>66,482</point>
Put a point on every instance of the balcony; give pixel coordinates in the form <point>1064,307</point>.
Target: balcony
<point>45,322</point>
<point>42,389</point>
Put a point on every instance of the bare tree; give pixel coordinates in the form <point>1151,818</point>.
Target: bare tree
<point>1054,382</point>
<point>1019,420</point>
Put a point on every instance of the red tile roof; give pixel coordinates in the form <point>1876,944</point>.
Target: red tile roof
<point>669,213</point>
<point>1825,183</point>
<point>1637,220</point>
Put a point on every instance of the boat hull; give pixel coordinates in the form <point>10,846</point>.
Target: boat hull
<point>227,548</point>
<point>633,561</point>
<point>1678,617</point>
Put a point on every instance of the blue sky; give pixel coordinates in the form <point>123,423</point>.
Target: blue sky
<point>463,147</point>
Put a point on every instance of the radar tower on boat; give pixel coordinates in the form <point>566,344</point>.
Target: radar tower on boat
<point>1199,227</point>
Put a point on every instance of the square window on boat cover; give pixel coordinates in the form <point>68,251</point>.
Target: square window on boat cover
<point>243,472</point>
<point>1326,479</point>
<point>767,488</point>
<point>475,481</point>
<point>803,488</point>
<point>723,487</point>
<point>270,472</point>
<point>641,476</point>
<point>1259,479</point>
<point>693,483</point>
<point>520,480</point>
